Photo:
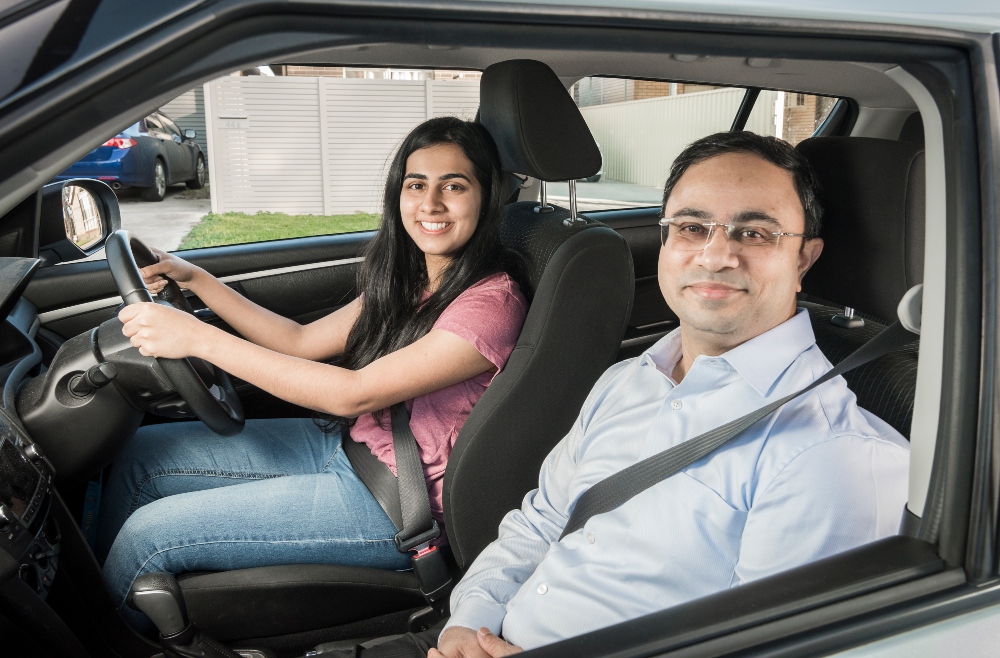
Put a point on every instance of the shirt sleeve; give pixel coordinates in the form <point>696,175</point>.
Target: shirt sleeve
<point>489,317</point>
<point>836,495</point>
<point>481,597</point>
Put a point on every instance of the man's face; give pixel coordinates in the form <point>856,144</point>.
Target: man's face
<point>727,293</point>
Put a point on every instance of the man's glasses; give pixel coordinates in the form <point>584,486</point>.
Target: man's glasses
<point>694,235</point>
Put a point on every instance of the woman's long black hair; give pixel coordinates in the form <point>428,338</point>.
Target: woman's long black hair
<point>393,276</point>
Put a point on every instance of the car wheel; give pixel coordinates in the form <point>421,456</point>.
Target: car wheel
<point>158,189</point>
<point>198,181</point>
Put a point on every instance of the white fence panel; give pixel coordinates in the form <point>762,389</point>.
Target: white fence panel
<point>267,145</point>
<point>456,98</point>
<point>317,145</point>
<point>366,120</point>
<point>640,139</point>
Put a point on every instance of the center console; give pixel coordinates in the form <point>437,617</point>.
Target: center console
<point>26,533</point>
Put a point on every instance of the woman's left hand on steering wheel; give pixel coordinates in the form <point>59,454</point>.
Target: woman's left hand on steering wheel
<point>163,331</point>
<point>169,266</point>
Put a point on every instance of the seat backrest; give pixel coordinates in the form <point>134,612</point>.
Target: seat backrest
<point>873,224</point>
<point>873,228</point>
<point>580,283</point>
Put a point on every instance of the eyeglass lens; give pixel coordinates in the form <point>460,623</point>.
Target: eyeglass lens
<point>694,236</point>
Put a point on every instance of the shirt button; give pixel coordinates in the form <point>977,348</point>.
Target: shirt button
<point>591,538</point>
<point>676,404</point>
<point>542,588</point>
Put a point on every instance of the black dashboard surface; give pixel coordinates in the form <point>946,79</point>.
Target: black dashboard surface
<point>15,273</point>
<point>18,480</point>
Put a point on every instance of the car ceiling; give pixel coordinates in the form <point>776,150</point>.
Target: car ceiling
<point>865,83</point>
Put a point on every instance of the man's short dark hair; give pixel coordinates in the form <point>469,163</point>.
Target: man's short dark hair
<point>778,152</point>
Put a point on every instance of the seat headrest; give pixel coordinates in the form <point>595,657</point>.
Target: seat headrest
<point>872,192</point>
<point>535,123</point>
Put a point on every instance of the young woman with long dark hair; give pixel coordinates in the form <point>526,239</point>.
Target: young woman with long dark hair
<point>438,315</point>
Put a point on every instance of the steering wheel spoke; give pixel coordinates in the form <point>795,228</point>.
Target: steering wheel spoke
<point>206,391</point>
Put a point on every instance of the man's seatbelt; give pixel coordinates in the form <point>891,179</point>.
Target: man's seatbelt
<point>617,489</point>
<point>406,502</point>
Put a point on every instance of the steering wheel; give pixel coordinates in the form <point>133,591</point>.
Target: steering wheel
<point>207,390</point>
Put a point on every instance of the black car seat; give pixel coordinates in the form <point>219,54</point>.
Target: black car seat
<point>579,285</point>
<point>580,272</point>
<point>873,194</point>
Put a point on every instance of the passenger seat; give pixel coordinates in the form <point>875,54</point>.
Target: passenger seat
<point>873,194</point>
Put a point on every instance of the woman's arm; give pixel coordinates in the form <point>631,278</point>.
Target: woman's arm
<point>318,340</point>
<point>438,360</point>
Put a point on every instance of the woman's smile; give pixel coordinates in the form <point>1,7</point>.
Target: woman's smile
<point>434,228</point>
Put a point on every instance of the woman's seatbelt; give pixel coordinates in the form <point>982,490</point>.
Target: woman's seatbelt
<point>615,490</point>
<point>406,502</point>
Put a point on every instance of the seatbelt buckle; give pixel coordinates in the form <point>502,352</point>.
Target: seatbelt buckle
<point>407,545</point>
<point>432,573</point>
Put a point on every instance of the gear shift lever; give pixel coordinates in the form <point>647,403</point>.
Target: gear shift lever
<point>160,597</point>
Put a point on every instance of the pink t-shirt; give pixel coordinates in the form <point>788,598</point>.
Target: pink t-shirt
<point>489,315</point>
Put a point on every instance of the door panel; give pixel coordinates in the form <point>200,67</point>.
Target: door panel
<point>303,279</point>
<point>55,290</point>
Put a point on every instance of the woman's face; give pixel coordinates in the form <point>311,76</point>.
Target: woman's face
<point>440,200</point>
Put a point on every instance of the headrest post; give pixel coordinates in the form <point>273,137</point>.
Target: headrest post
<point>572,219</point>
<point>543,201</point>
<point>847,319</point>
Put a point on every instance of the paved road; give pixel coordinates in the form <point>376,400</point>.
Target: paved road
<point>606,195</point>
<point>161,224</point>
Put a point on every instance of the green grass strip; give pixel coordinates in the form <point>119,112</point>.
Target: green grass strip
<point>240,228</point>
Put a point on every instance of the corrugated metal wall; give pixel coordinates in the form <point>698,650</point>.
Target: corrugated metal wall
<point>307,145</point>
<point>188,111</point>
<point>640,139</point>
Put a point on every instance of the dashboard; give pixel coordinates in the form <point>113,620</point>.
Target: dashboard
<point>27,534</point>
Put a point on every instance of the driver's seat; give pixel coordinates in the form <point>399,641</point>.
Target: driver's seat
<point>579,287</point>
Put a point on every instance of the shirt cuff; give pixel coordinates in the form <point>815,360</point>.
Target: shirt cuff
<point>477,613</point>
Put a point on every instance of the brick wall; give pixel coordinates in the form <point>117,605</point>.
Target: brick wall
<point>650,89</point>
<point>314,71</point>
<point>803,114</point>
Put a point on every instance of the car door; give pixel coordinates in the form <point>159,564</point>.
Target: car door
<point>156,131</point>
<point>302,279</point>
<point>180,150</point>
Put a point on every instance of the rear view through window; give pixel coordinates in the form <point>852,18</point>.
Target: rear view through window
<point>642,125</point>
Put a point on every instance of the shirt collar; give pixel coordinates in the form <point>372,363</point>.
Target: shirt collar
<point>759,361</point>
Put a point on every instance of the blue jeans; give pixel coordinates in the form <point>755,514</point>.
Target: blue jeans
<point>181,498</point>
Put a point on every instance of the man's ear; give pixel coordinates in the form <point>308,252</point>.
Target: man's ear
<point>810,251</point>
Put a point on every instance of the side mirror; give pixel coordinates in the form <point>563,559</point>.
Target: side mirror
<point>76,217</point>
<point>190,134</point>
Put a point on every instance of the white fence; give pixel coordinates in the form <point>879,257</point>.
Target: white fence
<point>640,139</point>
<point>304,145</point>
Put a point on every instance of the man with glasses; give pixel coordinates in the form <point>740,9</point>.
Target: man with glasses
<point>739,230</point>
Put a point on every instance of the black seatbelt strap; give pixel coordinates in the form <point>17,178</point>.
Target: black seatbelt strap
<point>615,490</point>
<point>405,500</point>
<point>419,527</point>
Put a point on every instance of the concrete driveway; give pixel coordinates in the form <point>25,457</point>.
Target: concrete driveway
<point>162,224</point>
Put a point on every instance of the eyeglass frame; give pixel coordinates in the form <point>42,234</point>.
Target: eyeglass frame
<point>665,223</point>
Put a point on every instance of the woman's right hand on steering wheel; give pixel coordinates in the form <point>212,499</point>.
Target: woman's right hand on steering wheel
<point>171,267</point>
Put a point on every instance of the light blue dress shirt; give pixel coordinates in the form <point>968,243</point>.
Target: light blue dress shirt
<point>818,477</point>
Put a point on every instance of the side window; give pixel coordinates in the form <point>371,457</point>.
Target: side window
<point>299,153</point>
<point>641,126</point>
<point>170,126</point>
<point>153,126</point>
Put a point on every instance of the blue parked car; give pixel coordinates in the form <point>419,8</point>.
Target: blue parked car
<point>150,154</point>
